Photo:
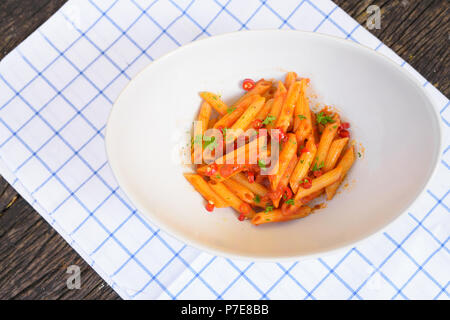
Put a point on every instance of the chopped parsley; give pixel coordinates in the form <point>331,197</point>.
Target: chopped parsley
<point>301,117</point>
<point>257,199</point>
<point>269,120</point>
<point>268,209</point>
<point>210,143</point>
<point>261,164</point>
<point>317,168</point>
<point>323,118</point>
<point>291,202</point>
<point>230,110</point>
<point>218,176</point>
<point>301,161</point>
<point>359,154</point>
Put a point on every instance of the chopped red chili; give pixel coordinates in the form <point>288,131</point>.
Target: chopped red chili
<point>248,84</point>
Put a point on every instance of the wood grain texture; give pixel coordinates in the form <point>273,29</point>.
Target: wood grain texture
<point>34,258</point>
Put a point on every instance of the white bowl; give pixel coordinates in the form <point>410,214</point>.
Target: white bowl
<point>390,115</point>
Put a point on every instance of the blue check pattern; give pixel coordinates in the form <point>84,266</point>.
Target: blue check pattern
<point>56,91</point>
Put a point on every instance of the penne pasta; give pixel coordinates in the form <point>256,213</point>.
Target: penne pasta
<point>305,125</point>
<point>345,163</point>
<point>277,216</point>
<point>238,189</point>
<point>204,115</point>
<point>233,114</point>
<point>211,123</point>
<point>232,200</point>
<point>287,153</point>
<point>245,194</point>
<point>302,105</point>
<point>319,183</point>
<point>311,197</point>
<point>278,100</point>
<point>291,77</point>
<point>264,112</point>
<point>328,134</point>
<point>253,150</point>
<point>262,184</point>
<point>315,128</point>
<point>261,87</point>
<point>333,153</point>
<point>204,189</point>
<point>303,165</point>
<point>288,108</point>
<point>284,181</point>
<point>255,187</point>
<point>246,118</point>
<point>215,101</point>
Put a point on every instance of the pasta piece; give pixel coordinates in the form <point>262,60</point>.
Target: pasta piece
<point>246,118</point>
<point>261,87</point>
<point>238,189</point>
<point>255,187</point>
<point>215,101</point>
<point>203,188</point>
<point>302,104</point>
<point>264,112</point>
<point>288,108</point>
<point>231,199</point>
<point>234,113</point>
<point>311,197</point>
<point>245,194</point>
<point>269,94</point>
<point>333,154</point>
<point>290,79</point>
<point>326,139</point>
<point>284,181</point>
<point>303,165</point>
<point>278,100</point>
<point>204,115</point>
<point>277,216</point>
<point>211,123</point>
<point>304,125</point>
<point>251,151</point>
<point>345,163</point>
<point>287,153</point>
<point>315,127</point>
<point>226,171</point>
<point>319,183</point>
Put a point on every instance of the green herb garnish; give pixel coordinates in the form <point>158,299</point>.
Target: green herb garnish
<point>317,168</point>
<point>210,142</point>
<point>269,120</point>
<point>257,199</point>
<point>291,202</point>
<point>301,117</point>
<point>230,110</point>
<point>323,118</point>
<point>261,164</point>
<point>268,208</point>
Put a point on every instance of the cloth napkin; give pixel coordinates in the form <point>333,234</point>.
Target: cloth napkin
<point>56,91</point>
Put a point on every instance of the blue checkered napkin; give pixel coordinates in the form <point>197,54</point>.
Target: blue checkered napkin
<point>56,90</point>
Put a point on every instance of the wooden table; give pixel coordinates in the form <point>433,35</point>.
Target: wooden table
<point>34,258</point>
